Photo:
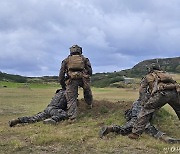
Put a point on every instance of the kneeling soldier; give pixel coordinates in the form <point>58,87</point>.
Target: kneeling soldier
<point>163,89</point>
<point>131,117</point>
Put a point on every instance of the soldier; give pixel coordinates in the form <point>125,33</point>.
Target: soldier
<point>54,112</point>
<point>76,71</point>
<point>131,117</point>
<point>163,89</point>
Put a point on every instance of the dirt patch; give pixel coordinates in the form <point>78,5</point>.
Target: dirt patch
<point>110,105</point>
<point>102,108</point>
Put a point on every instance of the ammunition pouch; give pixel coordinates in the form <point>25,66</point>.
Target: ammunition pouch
<point>164,77</point>
<point>75,75</point>
<point>163,86</point>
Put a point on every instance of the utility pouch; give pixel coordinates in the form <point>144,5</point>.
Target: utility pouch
<point>75,75</point>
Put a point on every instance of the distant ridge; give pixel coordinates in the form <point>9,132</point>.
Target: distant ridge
<point>167,64</point>
<point>12,77</point>
<point>105,79</point>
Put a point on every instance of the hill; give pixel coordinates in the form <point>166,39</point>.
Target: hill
<point>106,79</point>
<point>11,77</point>
<point>167,64</point>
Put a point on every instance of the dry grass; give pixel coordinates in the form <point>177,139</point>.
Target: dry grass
<point>176,77</point>
<point>80,136</point>
<point>114,94</point>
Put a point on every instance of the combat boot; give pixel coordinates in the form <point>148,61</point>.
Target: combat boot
<point>133,136</point>
<point>168,139</point>
<point>105,130</point>
<point>50,121</point>
<point>14,122</point>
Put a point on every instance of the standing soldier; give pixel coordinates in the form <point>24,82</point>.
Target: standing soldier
<point>163,89</point>
<point>75,71</point>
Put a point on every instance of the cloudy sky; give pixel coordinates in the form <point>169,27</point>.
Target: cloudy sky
<point>35,35</point>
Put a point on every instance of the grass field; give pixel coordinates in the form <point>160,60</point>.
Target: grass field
<point>82,135</point>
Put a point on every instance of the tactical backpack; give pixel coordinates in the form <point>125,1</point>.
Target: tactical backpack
<point>164,77</point>
<point>159,80</point>
<point>75,66</point>
<point>75,63</point>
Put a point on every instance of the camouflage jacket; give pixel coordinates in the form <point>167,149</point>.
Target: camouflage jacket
<point>144,93</point>
<point>59,100</point>
<point>63,73</point>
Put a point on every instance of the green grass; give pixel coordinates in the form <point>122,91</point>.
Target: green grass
<point>114,94</point>
<point>27,85</point>
<point>82,135</point>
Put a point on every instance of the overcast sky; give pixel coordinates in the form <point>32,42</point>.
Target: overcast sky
<point>35,35</point>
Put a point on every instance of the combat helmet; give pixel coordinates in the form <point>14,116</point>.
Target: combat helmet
<point>75,49</point>
<point>154,66</point>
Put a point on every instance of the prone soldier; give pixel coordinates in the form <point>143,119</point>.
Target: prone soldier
<point>54,112</point>
<point>131,117</point>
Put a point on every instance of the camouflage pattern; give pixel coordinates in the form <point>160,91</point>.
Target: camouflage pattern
<point>75,49</point>
<point>71,86</point>
<point>55,110</point>
<point>154,66</point>
<point>158,98</point>
<point>72,94</point>
<point>131,117</point>
<point>63,73</point>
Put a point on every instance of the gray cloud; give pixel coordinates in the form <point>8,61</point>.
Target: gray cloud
<point>35,36</point>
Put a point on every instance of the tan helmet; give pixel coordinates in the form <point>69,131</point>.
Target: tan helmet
<point>154,66</point>
<point>75,49</point>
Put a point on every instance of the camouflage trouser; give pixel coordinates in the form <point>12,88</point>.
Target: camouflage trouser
<point>133,111</point>
<point>72,95</point>
<point>49,112</point>
<point>131,117</point>
<point>153,131</point>
<point>127,129</point>
<point>158,100</point>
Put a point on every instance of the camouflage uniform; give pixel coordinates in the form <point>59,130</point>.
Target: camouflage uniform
<point>56,110</point>
<point>162,92</point>
<point>71,85</point>
<point>131,117</point>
